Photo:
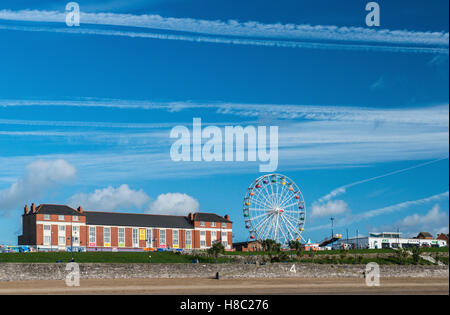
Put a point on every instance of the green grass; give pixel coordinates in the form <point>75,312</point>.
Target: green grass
<point>444,260</point>
<point>106,257</point>
<point>435,249</point>
<point>324,252</point>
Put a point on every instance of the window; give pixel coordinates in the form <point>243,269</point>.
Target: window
<point>75,229</point>
<point>61,218</point>
<point>107,236</point>
<point>47,239</point>
<point>202,238</point>
<point>213,237</point>
<point>224,239</point>
<point>92,238</point>
<point>121,237</point>
<point>62,228</point>
<point>75,218</point>
<point>149,238</point>
<point>213,224</point>
<point>188,239</point>
<point>135,238</point>
<point>202,223</point>
<point>162,237</point>
<point>46,216</point>
<point>47,228</point>
<point>61,240</point>
<point>175,238</point>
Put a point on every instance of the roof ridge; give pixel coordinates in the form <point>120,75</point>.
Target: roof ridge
<point>109,212</point>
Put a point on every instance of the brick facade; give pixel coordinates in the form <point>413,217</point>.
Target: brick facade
<point>42,227</point>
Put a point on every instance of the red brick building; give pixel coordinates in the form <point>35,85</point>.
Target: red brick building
<point>60,227</point>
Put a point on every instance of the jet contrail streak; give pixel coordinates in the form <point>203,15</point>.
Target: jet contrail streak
<point>341,190</point>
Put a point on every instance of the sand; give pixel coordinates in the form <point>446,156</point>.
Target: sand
<point>230,286</point>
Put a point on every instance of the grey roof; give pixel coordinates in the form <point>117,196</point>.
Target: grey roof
<point>209,217</point>
<point>134,219</point>
<point>57,209</point>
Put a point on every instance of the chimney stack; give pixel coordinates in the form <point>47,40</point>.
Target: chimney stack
<point>80,209</point>
<point>25,209</point>
<point>227,217</point>
<point>33,208</point>
<point>191,217</point>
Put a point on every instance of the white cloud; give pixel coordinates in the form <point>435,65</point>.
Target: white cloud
<point>174,203</point>
<point>333,207</point>
<point>434,218</point>
<point>110,198</point>
<point>40,176</point>
<point>434,221</point>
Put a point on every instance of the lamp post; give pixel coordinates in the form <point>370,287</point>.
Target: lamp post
<point>332,226</point>
<point>357,239</point>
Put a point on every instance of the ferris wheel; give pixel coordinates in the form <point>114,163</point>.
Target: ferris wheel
<point>274,208</point>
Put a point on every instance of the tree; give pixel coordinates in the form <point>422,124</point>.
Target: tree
<point>402,256</point>
<point>416,251</point>
<point>271,247</point>
<point>297,246</point>
<point>216,249</point>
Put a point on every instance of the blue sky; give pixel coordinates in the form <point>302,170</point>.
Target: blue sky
<point>85,112</point>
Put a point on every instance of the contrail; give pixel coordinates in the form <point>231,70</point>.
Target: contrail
<point>243,33</point>
<point>389,209</point>
<point>341,190</point>
<point>232,41</point>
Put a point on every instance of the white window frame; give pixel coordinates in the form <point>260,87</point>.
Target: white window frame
<point>93,235</point>
<point>213,224</point>
<point>202,223</point>
<point>47,234</point>
<point>119,236</point>
<point>106,236</point>
<point>47,217</point>
<point>47,240</point>
<point>135,237</point>
<point>177,238</point>
<point>225,239</point>
<point>202,239</point>
<point>149,235</point>
<point>61,240</point>
<point>75,218</point>
<point>188,240</point>
<point>61,218</point>
<point>162,238</point>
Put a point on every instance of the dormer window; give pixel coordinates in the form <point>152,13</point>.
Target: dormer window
<point>202,223</point>
<point>213,224</point>
<point>61,218</point>
<point>46,216</point>
<point>75,218</point>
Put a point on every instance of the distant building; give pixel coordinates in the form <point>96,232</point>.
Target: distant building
<point>424,236</point>
<point>387,240</point>
<point>250,246</point>
<point>442,237</point>
<point>60,227</point>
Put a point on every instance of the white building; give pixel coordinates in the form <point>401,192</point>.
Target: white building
<point>386,240</point>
